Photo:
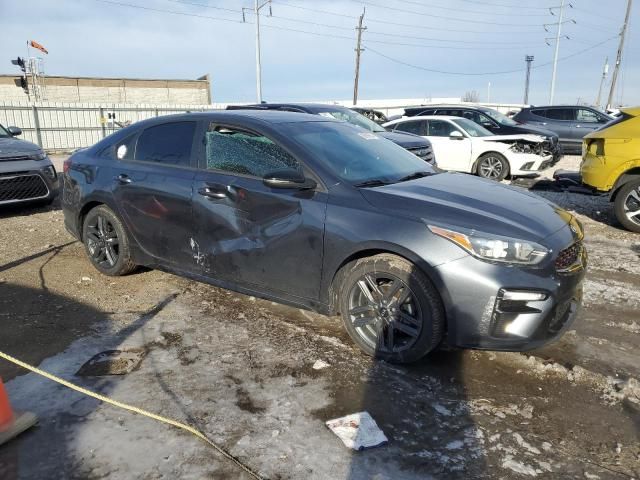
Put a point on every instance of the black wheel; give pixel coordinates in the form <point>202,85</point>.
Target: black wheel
<point>627,206</point>
<point>106,242</point>
<point>390,309</point>
<point>492,166</point>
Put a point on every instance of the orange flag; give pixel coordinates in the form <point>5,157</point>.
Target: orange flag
<point>35,44</point>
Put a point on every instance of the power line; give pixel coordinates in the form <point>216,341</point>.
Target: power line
<point>338,27</point>
<point>442,17</point>
<point>387,22</point>
<point>141,7</point>
<point>452,9</point>
<point>507,6</point>
<point>418,67</point>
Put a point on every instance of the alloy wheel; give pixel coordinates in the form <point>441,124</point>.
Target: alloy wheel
<point>632,205</point>
<point>491,167</point>
<point>102,242</point>
<point>385,313</point>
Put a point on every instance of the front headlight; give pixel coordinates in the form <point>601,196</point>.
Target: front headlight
<point>494,248</point>
<point>38,156</point>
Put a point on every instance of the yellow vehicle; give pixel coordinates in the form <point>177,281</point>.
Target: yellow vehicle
<point>611,164</point>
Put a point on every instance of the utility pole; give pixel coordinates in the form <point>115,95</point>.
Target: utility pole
<point>555,55</point>
<point>359,50</point>
<point>256,11</point>
<point>605,70</point>
<point>528,59</point>
<point>623,32</point>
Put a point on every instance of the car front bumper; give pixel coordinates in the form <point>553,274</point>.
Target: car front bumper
<point>493,306</point>
<point>26,181</point>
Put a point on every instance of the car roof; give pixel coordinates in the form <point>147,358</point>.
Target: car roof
<point>427,117</point>
<point>308,107</point>
<point>263,116</point>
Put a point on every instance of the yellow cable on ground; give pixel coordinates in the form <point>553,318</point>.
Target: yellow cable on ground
<point>133,409</point>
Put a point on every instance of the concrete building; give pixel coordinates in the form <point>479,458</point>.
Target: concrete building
<point>112,90</point>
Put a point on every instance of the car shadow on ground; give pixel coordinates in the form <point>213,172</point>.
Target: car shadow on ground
<point>26,209</point>
<point>422,409</point>
<point>36,325</point>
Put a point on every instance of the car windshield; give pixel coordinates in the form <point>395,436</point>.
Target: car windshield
<point>4,133</point>
<point>356,156</point>
<point>354,118</point>
<point>472,128</point>
<point>500,118</point>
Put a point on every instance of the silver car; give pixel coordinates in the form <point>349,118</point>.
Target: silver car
<point>26,172</point>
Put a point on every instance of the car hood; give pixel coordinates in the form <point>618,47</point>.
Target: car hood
<point>454,199</point>
<point>406,140</point>
<point>512,138</point>
<point>12,147</point>
<point>526,128</point>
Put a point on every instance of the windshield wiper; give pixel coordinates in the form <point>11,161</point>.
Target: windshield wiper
<point>374,182</point>
<point>414,176</point>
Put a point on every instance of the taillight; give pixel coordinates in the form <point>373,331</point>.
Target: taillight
<point>66,165</point>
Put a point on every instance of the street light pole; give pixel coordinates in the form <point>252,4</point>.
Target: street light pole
<point>258,63</point>
<point>555,55</point>
<point>256,11</point>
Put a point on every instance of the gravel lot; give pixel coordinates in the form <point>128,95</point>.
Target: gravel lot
<point>240,369</point>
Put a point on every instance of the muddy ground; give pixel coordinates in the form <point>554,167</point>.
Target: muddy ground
<point>240,370</point>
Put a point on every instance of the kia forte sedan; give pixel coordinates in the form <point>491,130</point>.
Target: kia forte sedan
<point>319,214</point>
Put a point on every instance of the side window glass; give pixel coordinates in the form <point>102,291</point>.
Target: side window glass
<point>124,149</point>
<point>485,121</point>
<point>440,128</point>
<point>168,144</point>
<point>414,127</point>
<point>539,112</point>
<point>560,114</point>
<point>587,116</point>
<point>245,153</point>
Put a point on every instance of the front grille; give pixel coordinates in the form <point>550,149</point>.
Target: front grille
<point>569,257</point>
<point>22,187</point>
<point>425,153</point>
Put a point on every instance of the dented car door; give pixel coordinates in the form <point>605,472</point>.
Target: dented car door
<point>250,234</point>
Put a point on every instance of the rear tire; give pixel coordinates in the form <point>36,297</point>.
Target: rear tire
<point>627,206</point>
<point>492,166</point>
<point>106,242</point>
<point>391,309</point>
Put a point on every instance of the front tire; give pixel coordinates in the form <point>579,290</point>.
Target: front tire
<point>106,242</point>
<point>492,166</point>
<point>627,206</point>
<point>391,309</point>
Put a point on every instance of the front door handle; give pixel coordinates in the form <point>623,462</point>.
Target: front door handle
<point>213,192</point>
<point>122,178</point>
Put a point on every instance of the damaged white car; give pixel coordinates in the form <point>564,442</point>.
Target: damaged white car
<point>462,145</point>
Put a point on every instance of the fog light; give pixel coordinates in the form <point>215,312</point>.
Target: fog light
<point>523,296</point>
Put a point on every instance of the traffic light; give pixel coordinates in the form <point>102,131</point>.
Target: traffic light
<point>19,62</point>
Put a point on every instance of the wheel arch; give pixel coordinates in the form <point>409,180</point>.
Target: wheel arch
<point>474,168</point>
<point>377,248</point>
<point>626,177</point>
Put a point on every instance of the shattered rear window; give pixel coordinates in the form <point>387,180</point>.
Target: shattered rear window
<point>245,154</point>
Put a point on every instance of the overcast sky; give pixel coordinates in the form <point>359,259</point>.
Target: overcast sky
<point>93,38</point>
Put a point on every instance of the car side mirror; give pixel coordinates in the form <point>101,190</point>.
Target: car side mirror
<point>291,179</point>
<point>15,131</point>
<point>456,135</point>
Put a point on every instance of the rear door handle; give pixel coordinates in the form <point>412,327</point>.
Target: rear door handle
<point>122,178</point>
<point>213,192</point>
